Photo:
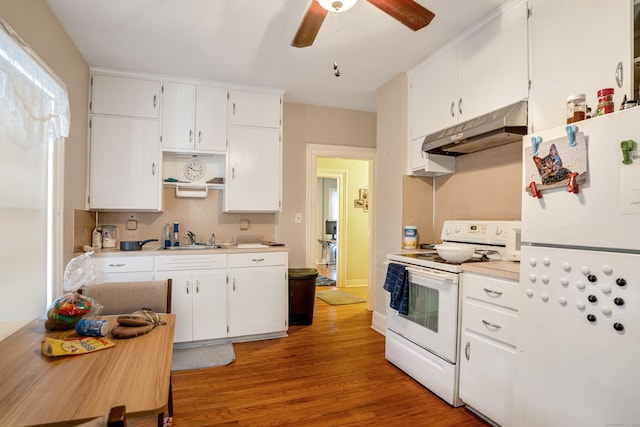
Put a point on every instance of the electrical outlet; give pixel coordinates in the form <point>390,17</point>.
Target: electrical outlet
<point>132,224</point>
<point>298,218</point>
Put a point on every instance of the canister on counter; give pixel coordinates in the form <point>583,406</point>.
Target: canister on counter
<point>410,240</point>
<point>92,328</point>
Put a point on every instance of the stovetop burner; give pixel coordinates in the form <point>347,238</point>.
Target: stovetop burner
<point>434,257</point>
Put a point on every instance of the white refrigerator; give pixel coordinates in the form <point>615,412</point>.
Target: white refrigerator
<point>578,360</point>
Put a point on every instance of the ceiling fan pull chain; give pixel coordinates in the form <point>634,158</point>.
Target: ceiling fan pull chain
<point>336,68</point>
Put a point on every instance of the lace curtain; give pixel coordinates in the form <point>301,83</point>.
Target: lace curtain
<point>34,120</point>
<point>29,92</point>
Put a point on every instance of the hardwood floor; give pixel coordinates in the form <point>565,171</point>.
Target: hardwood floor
<point>330,373</point>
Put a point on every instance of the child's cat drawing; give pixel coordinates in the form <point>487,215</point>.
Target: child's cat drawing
<point>550,167</point>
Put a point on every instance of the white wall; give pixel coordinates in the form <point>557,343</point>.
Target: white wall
<point>390,161</point>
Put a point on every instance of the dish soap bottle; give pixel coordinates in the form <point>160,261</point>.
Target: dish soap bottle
<point>167,235</point>
<point>176,234</point>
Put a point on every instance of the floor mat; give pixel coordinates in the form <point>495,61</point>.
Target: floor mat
<point>338,297</point>
<point>206,356</point>
<point>324,281</point>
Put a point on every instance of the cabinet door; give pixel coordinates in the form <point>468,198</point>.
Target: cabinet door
<point>178,115</point>
<point>125,96</point>
<point>254,170</point>
<point>486,375</point>
<point>257,300</point>
<point>433,95</point>
<point>124,168</point>
<point>181,303</point>
<point>587,39</point>
<point>493,64</point>
<point>255,109</point>
<point>209,304</point>
<point>211,119</point>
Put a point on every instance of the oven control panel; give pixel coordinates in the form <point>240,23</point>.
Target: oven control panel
<point>481,232</point>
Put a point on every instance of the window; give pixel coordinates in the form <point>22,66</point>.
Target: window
<point>34,119</point>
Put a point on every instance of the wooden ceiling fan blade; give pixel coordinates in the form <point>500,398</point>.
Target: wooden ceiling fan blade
<point>310,25</point>
<point>410,13</point>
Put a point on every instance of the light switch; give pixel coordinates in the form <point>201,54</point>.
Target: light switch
<point>298,219</point>
<point>244,224</point>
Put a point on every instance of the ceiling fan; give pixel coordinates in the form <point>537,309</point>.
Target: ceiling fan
<point>408,12</point>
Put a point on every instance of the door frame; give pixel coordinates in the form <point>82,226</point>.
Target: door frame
<point>313,152</point>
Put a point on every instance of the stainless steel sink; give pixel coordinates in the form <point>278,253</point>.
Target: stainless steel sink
<point>191,247</point>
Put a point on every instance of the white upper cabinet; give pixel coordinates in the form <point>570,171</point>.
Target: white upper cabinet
<point>124,96</point>
<point>254,170</point>
<point>576,46</point>
<point>194,118</point>
<point>493,64</point>
<point>124,164</point>
<point>124,144</point>
<point>262,109</point>
<point>485,71</point>
<point>433,95</point>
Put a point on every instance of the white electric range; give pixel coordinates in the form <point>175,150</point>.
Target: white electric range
<point>424,341</point>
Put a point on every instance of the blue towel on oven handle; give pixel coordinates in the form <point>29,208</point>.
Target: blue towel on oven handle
<point>397,283</point>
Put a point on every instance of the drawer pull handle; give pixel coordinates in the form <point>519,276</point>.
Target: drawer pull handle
<point>257,259</point>
<point>467,350</point>
<point>491,325</point>
<point>116,265</point>
<point>492,292</point>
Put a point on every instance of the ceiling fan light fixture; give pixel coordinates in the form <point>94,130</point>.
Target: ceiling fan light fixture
<point>337,5</point>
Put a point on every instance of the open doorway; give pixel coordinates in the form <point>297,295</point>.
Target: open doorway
<point>328,215</point>
<point>345,174</point>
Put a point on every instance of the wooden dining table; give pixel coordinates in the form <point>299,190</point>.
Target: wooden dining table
<point>36,389</point>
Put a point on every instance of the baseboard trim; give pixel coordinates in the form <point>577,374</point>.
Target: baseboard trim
<point>379,322</point>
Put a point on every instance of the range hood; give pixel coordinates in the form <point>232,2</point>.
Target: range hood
<point>497,128</point>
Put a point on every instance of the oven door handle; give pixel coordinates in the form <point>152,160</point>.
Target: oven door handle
<point>433,274</point>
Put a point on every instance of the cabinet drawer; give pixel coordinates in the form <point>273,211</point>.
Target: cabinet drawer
<point>191,262</point>
<point>490,289</point>
<point>490,322</point>
<point>123,264</point>
<point>257,259</point>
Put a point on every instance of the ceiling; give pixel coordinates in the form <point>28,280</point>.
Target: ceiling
<point>249,42</point>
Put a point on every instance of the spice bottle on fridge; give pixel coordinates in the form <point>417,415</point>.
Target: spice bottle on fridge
<point>576,107</point>
<point>605,101</point>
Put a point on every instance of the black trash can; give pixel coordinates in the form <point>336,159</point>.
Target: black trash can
<point>302,295</point>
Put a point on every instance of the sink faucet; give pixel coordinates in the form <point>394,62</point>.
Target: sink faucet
<point>191,237</point>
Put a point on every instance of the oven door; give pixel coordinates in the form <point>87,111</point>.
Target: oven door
<point>432,322</point>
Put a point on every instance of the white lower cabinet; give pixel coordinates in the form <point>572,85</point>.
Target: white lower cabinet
<point>198,295</point>
<point>488,351</point>
<point>243,296</point>
<point>123,268</point>
<point>257,293</point>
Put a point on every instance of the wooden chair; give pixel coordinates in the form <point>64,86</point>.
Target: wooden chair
<point>127,297</point>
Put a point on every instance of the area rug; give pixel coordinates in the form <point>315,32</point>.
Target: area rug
<point>324,281</point>
<point>205,356</point>
<point>338,297</point>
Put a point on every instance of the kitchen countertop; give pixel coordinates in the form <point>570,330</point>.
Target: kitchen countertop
<point>155,251</point>
<point>503,269</point>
